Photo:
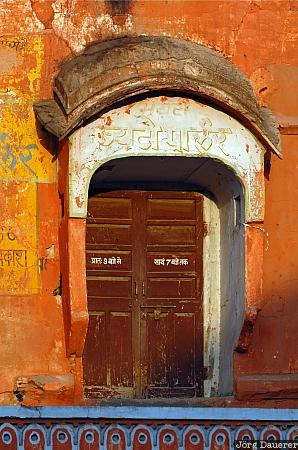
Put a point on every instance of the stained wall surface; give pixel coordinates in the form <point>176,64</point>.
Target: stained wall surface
<point>261,39</point>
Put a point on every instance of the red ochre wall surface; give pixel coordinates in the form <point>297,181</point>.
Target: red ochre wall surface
<point>258,37</point>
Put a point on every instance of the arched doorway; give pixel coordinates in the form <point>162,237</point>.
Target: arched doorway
<point>173,337</point>
<point>210,152</point>
<point>181,127</point>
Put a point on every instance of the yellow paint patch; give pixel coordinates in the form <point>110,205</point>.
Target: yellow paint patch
<point>22,155</point>
<point>36,48</point>
<point>24,161</point>
<point>18,239</point>
<point>27,76</point>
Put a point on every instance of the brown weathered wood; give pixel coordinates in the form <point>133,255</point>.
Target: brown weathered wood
<point>145,313</point>
<point>109,242</point>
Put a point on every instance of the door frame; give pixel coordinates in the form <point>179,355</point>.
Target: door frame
<point>246,300</point>
<point>139,222</point>
<point>189,69</point>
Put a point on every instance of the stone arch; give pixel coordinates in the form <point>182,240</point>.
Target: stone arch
<point>115,70</point>
<point>91,85</point>
<point>208,132</point>
<point>233,170</point>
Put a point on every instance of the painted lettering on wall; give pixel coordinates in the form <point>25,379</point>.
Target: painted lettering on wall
<point>18,239</point>
<point>13,42</point>
<point>158,139</point>
<point>7,234</point>
<point>11,257</point>
<point>24,155</point>
<point>107,261</point>
<point>12,155</point>
<point>162,108</point>
<point>163,126</point>
<point>171,261</point>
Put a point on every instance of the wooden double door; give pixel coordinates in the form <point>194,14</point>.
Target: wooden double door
<point>144,285</point>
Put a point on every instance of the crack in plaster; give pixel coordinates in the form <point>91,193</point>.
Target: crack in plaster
<point>287,33</point>
<point>238,29</point>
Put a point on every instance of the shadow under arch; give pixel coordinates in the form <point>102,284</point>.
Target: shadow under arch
<point>223,247</point>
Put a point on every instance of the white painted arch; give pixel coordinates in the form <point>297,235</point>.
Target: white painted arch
<point>182,127</point>
<point>166,126</point>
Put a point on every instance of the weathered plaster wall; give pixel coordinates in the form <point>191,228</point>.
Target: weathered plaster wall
<point>275,337</point>
<point>260,38</point>
<point>29,228</point>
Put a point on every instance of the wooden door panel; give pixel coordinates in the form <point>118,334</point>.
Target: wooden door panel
<point>184,350</point>
<point>170,235</point>
<point>108,234</point>
<point>95,356</point>
<point>172,314</point>
<point>144,285</point>
<point>109,372</point>
<point>158,348</point>
<point>165,209</point>
<point>109,287</point>
<point>121,349</point>
<point>106,208</point>
<point>171,288</point>
<point>170,339</point>
<point>108,305</point>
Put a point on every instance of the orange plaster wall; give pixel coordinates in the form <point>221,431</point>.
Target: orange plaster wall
<point>260,37</point>
<point>276,336</point>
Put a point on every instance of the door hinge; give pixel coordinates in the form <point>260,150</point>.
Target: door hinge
<point>206,229</point>
<point>206,373</point>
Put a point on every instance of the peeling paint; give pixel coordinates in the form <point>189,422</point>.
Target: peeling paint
<point>22,157</point>
<point>18,239</point>
<point>90,27</point>
<point>164,126</point>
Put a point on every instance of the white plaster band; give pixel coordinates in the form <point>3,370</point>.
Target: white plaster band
<point>166,126</point>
